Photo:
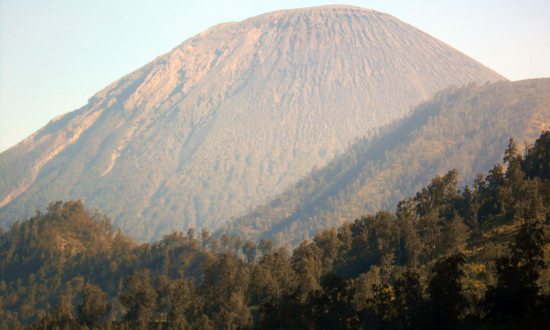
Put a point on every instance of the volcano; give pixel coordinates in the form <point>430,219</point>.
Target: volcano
<point>230,118</point>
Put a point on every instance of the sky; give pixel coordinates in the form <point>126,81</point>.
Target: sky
<point>55,54</point>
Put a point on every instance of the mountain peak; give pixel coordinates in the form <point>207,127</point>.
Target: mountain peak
<point>321,9</point>
<point>231,117</point>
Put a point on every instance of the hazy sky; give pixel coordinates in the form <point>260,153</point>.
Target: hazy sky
<point>55,54</point>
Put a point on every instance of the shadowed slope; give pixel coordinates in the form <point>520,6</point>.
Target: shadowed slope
<point>463,128</point>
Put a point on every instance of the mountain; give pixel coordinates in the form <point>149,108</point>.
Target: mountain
<point>462,128</point>
<point>230,118</point>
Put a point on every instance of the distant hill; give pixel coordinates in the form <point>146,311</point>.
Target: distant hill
<point>230,118</point>
<point>462,128</point>
<point>62,233</point>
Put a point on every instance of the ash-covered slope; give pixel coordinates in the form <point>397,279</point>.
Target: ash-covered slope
<point>462,128</point>
<point>230,117</point>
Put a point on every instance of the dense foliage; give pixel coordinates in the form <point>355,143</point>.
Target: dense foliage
<point>446,258</point>
<point>464,128</point>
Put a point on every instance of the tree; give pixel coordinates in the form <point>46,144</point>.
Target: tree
<point>265,246</point>
<point>64,308</point>
<point>139,298</point>
<point>332,305</point>
<point>94,307</point>
<point>272,278</point>
<point>191,240</point>
<point>181,299</point>
<point>537,160</point>
<point>410,245</point>
<point>491,207</point>
<point>472,202</point>
<point>446,299</point>
<point>329,244</point>
<point>237,245</point>
<point>511,152</point>
<point>163,286</point>
<point>409,300</point>
<point>438,195</point>
<point>224,286</point>
<point>516,295</point>
<point>249,250</point>
<point>205,237</point>
<point>382,304</point>
<point>307,264</point>
<point>455,233</point>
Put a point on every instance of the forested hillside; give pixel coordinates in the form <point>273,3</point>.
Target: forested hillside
<point>463,128</point>
<point>448,257</point>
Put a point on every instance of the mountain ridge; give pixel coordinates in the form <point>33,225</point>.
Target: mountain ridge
<point>230,117</point>
<point>466,124</point>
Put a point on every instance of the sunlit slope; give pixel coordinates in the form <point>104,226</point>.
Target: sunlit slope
<point>230,118</point>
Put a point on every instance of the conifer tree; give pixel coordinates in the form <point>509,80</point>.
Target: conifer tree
<point>447,302</point>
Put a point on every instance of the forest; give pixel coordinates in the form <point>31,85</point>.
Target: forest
<point>448,257</point>
<point>465,128</point>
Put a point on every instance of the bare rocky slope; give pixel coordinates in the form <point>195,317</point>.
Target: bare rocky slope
<point>230,118</point>
<point>461,128</point>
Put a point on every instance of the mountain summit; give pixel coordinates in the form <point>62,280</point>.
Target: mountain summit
<point>230,118</point>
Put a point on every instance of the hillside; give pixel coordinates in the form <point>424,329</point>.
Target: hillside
<point>448,258</point>
<point>230,118</point>
<point>462,128</point>
<point>63,232</point>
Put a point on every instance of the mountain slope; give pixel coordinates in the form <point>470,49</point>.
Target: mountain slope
<point>464,128</point>
<point>230,117</point>
<point>486,244</point>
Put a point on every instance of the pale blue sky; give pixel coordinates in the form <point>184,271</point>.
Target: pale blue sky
<point>55,54</point>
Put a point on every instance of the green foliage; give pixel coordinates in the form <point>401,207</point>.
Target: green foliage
<point>447,302</point>
<point>447,258</point>
<point>517,293</point>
